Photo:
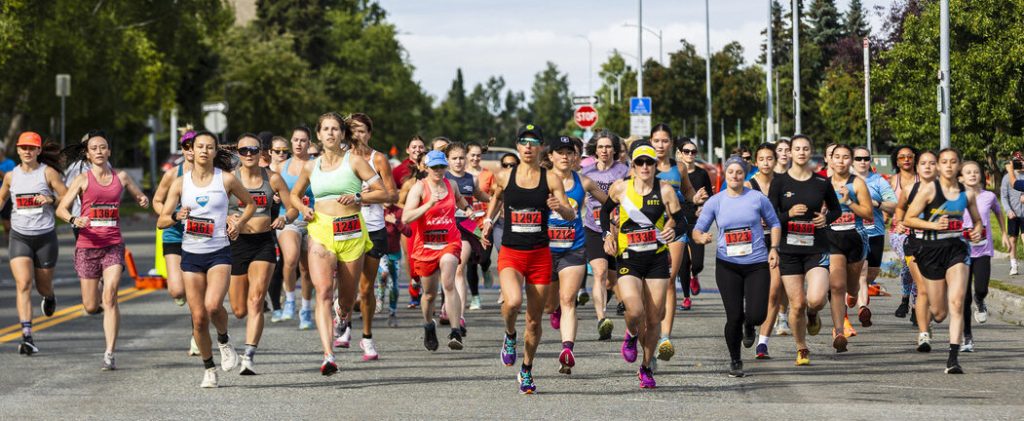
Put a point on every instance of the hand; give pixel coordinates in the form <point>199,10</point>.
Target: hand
<point>307,213</point>
<point>700,197</point>
<point>697,213</point>
<point>233,219</point>
<point>554,204</point>
<point>484,242</point>
<point>703,238</point>
<point>278,223</point>
<point>844,194</point>
<point>486,227</point>
<point>819,219</point>
<point>366,188</point>
<point>797,210</point>
<point>182,213</point>
<point>42,199</point>
<point>1010,214</point>
<point>82,222</point>
<point>667,234</point>
<point>390,218</point>
<point>1006,241</point>
<point>347,199</point>
<point>773,258</point>
<point>232,231</point>
<point>277,199</point>
<point>976,233</point>
<point>143,201</point>
<point>942,223</point>
<point>611,247</point>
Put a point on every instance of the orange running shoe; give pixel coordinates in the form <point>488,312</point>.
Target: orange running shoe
<point>848,328</point>
<point>839,341</point>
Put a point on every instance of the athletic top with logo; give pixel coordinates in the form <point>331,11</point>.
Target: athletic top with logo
<point>673,179</point>
<point>568,235</point>
<point>641,218</point>
<point>330,185</point>
<point>467,185</point>
<point>207,222</point>
<point>741,238</point>
<point>604,180</point>
<point>987,203</point>
<point>699,179</point>
<point>435,230</point>
<point>173,233</point>
<point>290,180</point>
<point>262,197</point>
<point>526,214</point>
<point>880,191</point>
<point>28,217</point>
<point>373,213</point>
<point>848,221</point>
<point>799,235</point>
<point>100,204</point>
<point>953,209</point>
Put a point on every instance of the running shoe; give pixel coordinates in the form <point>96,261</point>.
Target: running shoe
<point>736,368</point>
<point>749,335</point>
<point>782,326</point>
<point>328,367</point>
<point>686,304</point>
<point>954,369</point>
<point>628,350</point>
<point>488,279</point>
<point>369,350</point>
<point>803,357</point>
<point>848,330</point>
<point>526,385</point>
<point>968,345</point>
<point>209,378</point>
<point>49,305</point>
<point>474,303</point>
<point>665,349</point>
<point>695,286</point>
<point>443,317</point>
<point>556,318</point>
<point>1013,267</point>
<point>193,347</point>
<point>864,315</point>
<point>414,303</point>
<point>462,327</point>
<point>455,340</point>
<point>27,346</point>
<point>430,336</point>
<point>180,301</point>
<point>851,301</point>
<point>508,351</point>
<point>288,311</point>
<point>924,342</point>
<point>345,339</point>
<point>276,316</point>
<point>604,329</point>
<point>379,306</point>
<point>904,308</point>
<point>620,309</point>
<point>393,319</point>
<point>248,368</point>
<point>582,297</point>
<point>646,377</point>
<point>762,352</point>
<point>981,313</point>
<point>108,362</point>
<point>228,357</point>
<point>839,341</point>
<point>813,324</point>
<point>306,319</point>
<point>567,361</point>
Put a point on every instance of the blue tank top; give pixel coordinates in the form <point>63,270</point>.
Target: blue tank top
<point>290,180</point>
<point>568,235</point>
<point>953,209</point>
<point>173,234</point>
<point>847,219</point>
<point>673,179</point>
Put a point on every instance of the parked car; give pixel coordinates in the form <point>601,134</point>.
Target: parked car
<point>491,160</point>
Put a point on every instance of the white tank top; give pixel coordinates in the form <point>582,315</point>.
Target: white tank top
<point>27,217</point>
<point>373,214</point>
<point>206,229</point>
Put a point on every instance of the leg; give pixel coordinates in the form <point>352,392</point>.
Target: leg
<point>838,281</point>
<point>676,250</point>
<point>512,289</point>
<point>938,302</point>
<point>195,293</point>
<point>599,292</point>
<point>956,280</point>
<point>535,294</point>
<point>731,287</point>
<point>654,293</point>
<point>44,282</point>
<point>817,290</point>
<point>461,292</point>
<point>630,291</point>
<point>794,286</point>
<point>367,297</point>
<point>429,295</point>
<point>238,295</point>
<point>982,269</point>
<point>21,268</point>
<point>449,283</point>
<point>322,265</point>
<point>217,279</point>
<point>775,300</point>
<point>968,299</point>
<point>290,243</point>
<point>111,311</point>
<point>91,297</point>
<point>569,280</point>
<point>921,303</point>
<point>276,285</point>
<point>259,279</point>
<point>175,282</point>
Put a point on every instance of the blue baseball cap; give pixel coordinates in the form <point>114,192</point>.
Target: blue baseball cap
<point>435,158</point>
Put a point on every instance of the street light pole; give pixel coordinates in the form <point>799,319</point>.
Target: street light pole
<point>796,66</point>
<point>590,62</point>
<point>661,55</point>
<point>707,77</point>
<point>640,49</point>
<point>768,75</point>
<point>867,90</point>
<point>944,75</point>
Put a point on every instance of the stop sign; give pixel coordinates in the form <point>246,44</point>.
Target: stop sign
<point>585,116</point>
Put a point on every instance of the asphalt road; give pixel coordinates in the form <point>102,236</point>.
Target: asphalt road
<point>882,377</point>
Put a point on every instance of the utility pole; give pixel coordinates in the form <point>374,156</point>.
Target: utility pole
<point>768,75</point>
<point>640,48</point>
<point>707,75</point>
<point>796,66</point>
<point>944,75</point>
<point>867,90</point>
<point>739,128</point>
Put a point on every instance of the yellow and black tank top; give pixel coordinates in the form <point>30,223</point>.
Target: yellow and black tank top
<point>640,220</point>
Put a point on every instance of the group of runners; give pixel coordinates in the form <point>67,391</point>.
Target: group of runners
<point>238,222</point>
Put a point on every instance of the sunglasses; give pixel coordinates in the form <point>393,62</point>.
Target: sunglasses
<point>905,157</point>
<point>508,164</point>
<point>746,158</point>
<point>526,141</point>
<point>186,146</point>
<point>439,167</point>
<point>249,150</point>
<point>644,162</point>
<point>688,151</point>
<point>279,151</point>
<point>314,154</point>
<point>862,158</point>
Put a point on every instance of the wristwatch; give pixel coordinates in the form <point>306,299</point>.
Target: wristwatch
<point>359,199</point>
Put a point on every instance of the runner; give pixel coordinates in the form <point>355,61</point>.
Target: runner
<point>292,239</point>
<point>171,236</point>
<point>798,196</point>
<point>435,244</point>
<point>206,253</point>
<point>743,259</point>
<point>1012,203</point>
<point>926,163</point>
<point>99,250</point>
<point>337,232</point>
<point>650,218</point>
<point>606,147</point>
<point>943,256</point>
<point>764,156</point>
<point>693,259</point>
<point>418,172</point>
<point>388,272</point>
<point>981,251</point>
<point>415,149</point>
<point>464,221</point>
<point>783,155</point>
<point>35,185</point>
<point>525,254</point>
<point>252,253</point>
<point>279,153</point>
<point>883,202</point>
<point>905,159</point>
<point>484,182</point>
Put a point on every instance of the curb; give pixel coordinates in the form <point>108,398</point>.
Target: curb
<point>1008,306</point>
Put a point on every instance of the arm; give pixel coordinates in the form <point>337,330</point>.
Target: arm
<point>494,205</point>
<point>925,193</point>
<point>562,201</point>
<point>375,192</point>
<point>609,206</point>
<point>63,209</point>
<point>381,162</point>
<point>129,184</point>
<point>299,190</point>
<point>160,195</point>
<point>5,190</point>
<point>413,210</point>
<point>461,203</point>
<point>167,216</point>
<point>235,187</point>
<point>56,182</point>
<point>281,188</point>
<point>776,200</point>
<point>1004,192</point>
<point>862,207</point>
<point>591,187</point>
<point>832,203</point>
<point>700,232</point>
<point>972,208</point>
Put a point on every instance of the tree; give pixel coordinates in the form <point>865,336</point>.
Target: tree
<point>781,38</point>
<point>617,86</point>
<point>842,106</point>
<point>450,115</point>
<point>551,105</point>
<point>855,24</point>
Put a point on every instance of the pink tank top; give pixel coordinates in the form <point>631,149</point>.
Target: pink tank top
<point>100,204</point>
<point>436,229</point>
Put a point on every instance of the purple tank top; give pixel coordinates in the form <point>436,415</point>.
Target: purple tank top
<point>100,204</point>
<point>604,180</point>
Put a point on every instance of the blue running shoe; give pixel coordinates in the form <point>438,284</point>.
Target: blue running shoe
<point>762,352</point>
<point>526,385</point>
<point>306,319</point>
<point>629,348</point>
<point>288,312</point>
<point>508,352</point>
<point>276,316</point>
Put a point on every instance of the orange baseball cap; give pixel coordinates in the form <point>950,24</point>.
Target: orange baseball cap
<point>30,139</point>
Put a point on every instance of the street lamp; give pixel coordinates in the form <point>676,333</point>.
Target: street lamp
<point>661,55</point>
<point>590,61</point>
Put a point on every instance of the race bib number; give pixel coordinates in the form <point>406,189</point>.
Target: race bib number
<point>478,209</point>
<point>561,237</point>
<point>982,242</point>
<point>103,215</point>
<point>305,200</point>
<point>525,220</point>
<point>260,199</point>
<point>199,229</point>
<point>642,240</point>
<point>596,215</point>
<point>435,239</point>
<point>955,225</point>
<point>800,233</point>
<point>346,228</point>
<point>25,204</point>
<point>738,242</point>
<point>845,222</point>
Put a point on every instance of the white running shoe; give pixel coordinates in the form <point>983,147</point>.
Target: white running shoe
<point>782,326</point>
<point>248,369</point>
<point>209,378</point>
<point>228,357</point>
<point>108,361</point>
<point>193,348</point>
<point>968,344</point>
<point>981,313</point>
<point>1013,267</point>
<point>369,350</point>
<point>924,342</point>
<point>474,303</point>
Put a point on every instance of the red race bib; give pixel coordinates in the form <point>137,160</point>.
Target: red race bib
<point>562,237</point>
<point>800,233</point>
<point>25,204</point>
<point>642,240</point>
<point>435,239</point>
<point>525,220</point>
<point>738,242</point>
<point>347,228</point>
<point>199,229</point>
<point>103,215</point>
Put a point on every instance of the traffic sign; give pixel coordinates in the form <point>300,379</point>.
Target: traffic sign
<point>215,122</point>
<point>585,116</point>
<point>209,107</point>
<point>640,105</point>
<point>585,100</point>
<point>63,85</point>
<point>640,125</point>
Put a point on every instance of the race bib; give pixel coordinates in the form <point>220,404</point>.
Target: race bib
<point>642,240</point>
<point>738,242</point>
<point>260,199</point>
<point>845,222</point>
<point>305,200</point>
<point>562,237</point>
<point>103,215</point>
<point>198,229</point>
<point>525,220</point>
<point>597,215</point>
<point>800,233</point>
<point>25,204</point>
<point>478,209</point>
<point>435,239</point>
<point>347,228</point>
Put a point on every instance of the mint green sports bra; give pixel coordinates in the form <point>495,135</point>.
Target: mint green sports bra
<point>331,185</point>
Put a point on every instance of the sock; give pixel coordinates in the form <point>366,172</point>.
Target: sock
<point>250,351</point>
<point>367,336</point>
<point>208,363</point>
<point>527,368</point>
<point>329,358</point>
<point>289,296</point>
<point>783,316</point>
<point>567,345</point>
<point>763,340</point>
<point>511,335</point>
<point>306,304</point>
<point>954,353</point>
<point>26,328</point>
<point>222,338</point>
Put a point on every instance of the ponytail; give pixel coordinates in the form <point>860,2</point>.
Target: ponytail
<point>224,160</point>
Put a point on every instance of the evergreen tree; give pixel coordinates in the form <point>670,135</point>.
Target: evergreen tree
<point>855,23</point>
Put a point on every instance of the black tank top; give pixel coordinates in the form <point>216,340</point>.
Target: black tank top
<point>526,214</point>
<point>953,209</point>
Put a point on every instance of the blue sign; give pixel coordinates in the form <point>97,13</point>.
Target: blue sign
<point>640,106</point>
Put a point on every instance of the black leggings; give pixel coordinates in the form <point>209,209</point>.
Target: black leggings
<point>981,271</point>
<point>276,283</point>
<point>472,275</point>
<point>691,266</point>
<point>738,283</point>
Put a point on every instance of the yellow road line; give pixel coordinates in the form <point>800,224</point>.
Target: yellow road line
<point>70,314</point>
<point>61,312</point>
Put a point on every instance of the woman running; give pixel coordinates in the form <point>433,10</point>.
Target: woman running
<point>926,163</point>
<point>253,253</point>
<point>435,244</point>
<point>693,259</point>
<point>279,153</point>
<point>905,159</point>
<point>525,255</point>
<point>981,251</point>
<point>464,220</point>
<point>943,256</point>
<point>847,244</point>
<point>171,236</point>
<point>606,148</point>
<point>761,182</point>
<point>743,259</point>
<point>206,249</point>
<point>35,185</point>
<point>484,181</point>
<point>799,196</point>
<point>883,202</point>
<point>292,239</point>
<point>99,250</point>
<point>336,227</point>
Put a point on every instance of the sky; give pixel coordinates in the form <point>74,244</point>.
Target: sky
<point>516,38</point>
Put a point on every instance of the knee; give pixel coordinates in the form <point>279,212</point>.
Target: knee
<point>91,308</point>
<point>324,295</point>
<point>240,312</point>
<point>200,321</point>
<point>634,313</point>
<point>513,302</point>
<point>797,304</point>
<point>939,316</point>
<point>567,300</point>
<point>214,308</point>
<point>533,324</point>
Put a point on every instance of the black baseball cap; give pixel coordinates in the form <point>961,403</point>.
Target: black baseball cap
<point>531,129</point>
<point>556,143</point>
